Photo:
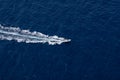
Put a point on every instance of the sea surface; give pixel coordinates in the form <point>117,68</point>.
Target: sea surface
<point>92,25</point>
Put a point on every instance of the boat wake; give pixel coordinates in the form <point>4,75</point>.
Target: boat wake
<point>13,33</point>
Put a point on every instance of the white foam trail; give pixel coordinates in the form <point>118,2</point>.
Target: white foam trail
<point>13,33</point>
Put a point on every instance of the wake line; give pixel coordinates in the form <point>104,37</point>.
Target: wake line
<point>13,33</point>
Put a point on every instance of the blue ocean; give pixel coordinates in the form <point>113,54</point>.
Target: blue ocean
<point>92,25</point>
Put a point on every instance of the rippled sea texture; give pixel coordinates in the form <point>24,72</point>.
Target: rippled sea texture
<point>92,25</point>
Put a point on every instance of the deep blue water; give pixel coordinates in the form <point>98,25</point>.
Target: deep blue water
<point>92,25</point>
